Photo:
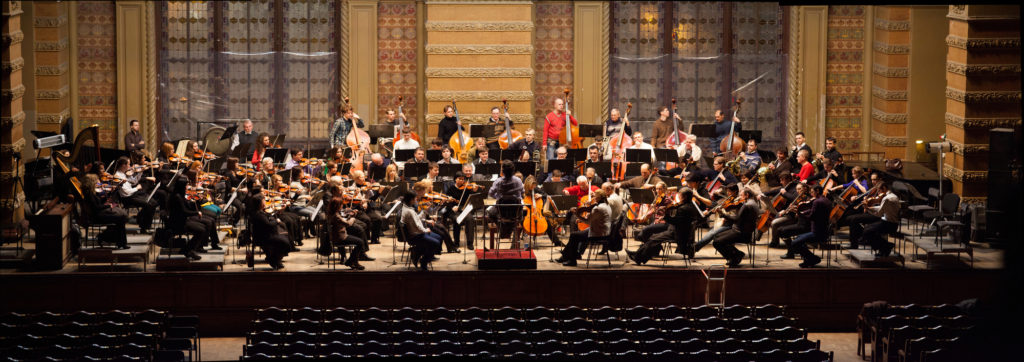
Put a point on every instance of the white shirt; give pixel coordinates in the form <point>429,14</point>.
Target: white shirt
<point>695,151</point>
<point>126,190</point>
<point>402,144</point>
<point>889,209</point>
<point>645,146</point>
<point>600,221</point>
<point>615,203</point>
<point>413,224</point>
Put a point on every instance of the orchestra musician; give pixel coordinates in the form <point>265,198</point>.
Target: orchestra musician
<point>677,225</point>
<point>638,144</point>
<point>244,137</point>
<point>592,176</point>
<point>779,167</point>
<point>828,170</point>
<point>859,182</point>
<point>234,178</point>
<point>420,156</point>
<point>377,170</point>
<point>554,123</point>
<point>806,168</point>
<point>391,174</point>
<point>750,160</point>
<point>818,214</point>
<point>336,154</point>
<point>856,218</point>
<point>101,212</point>
<point>507,189</point>
<point>528,143</point>
<point>449,125</point>
<point>268,231</point>
<point>594,154</point>
<point>888,213</point>
<point>831,152</point>
<point>339,224</point>
<point>133,194</point>
<point>612,127</point>
<point>261,148</point>
<point>554,176</point>
<point>425,243</point>
<point>484,158</point>
<point>499,128</point>
<point>432,171</point>
<point>447,156</point>
<point>134,143</point>
<point>290,219</point>
<point>406,143</point>
<point>744,222</point>
<point>801,145</point>
<point>436,144</point>
<point>722,128</point>
<point>479,145</point>
<point>600,222</point>
<point>663,127</point>
<point>731,191</point>
<point>294,156</point>
<point>461,190</point>
<point>370,214</point>
<point>537,192</point>
<point>343,125</point>
<point>792,221</point>
<point>645,181</point>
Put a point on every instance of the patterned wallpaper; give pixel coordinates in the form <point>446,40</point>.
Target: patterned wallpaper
<point>845,76</point>
<point>553,62</point>
<point>97,68</point>
<point>396,62</point>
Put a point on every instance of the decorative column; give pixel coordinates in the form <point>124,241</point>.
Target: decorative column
<point>52,57</point>
<point>479,53</point>
<point>12,116</point>
<point>807,77</point>
<point>982,89</point>
<point>890,72</point>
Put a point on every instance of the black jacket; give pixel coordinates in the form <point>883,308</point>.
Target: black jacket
<point>682,220</point>
<point>745,221</point>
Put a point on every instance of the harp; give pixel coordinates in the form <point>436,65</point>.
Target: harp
<point>81,156</point>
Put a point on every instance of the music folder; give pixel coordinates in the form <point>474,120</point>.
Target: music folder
<point>486,169</point>
<point>591,130</point>
<point>638,155</point>
<point>403,155</point>
<point>632,170</point>
<point>562,165</point>
<point>666,154</point>
<point>433,155</point>
<point>417,170</point>
<point>230,131</point>
<point>702,130</point>
<point>577,154</point>
<point>464,213</point>
<point>481,130</point>
<point>509,154</point>
<point>603,169</point>
<point>277,154</point>
<point>526,168</point>
<point>450,169</point>
<point>641,196</point>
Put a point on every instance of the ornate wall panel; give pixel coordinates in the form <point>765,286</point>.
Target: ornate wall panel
<point>844,102</point>
<point>186,66</point>
<point>397,70</point>
<point>97,68</point>
<point>637,53</point>
<point>553,55</point>
<point>248,57</point>
<point>310,69</point>
<point>757,43</point>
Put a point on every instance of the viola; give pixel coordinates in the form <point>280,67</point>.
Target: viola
<point>471,186</point>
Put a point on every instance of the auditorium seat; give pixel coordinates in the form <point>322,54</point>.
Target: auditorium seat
<point>702,312</point>
<point>670,312</point>
<point>604,312</point>
<point>609,323</point>
<point>735,311</point>
<point>568,313</point>
<point>768,311</point>
<point>473,312</point>
<point>373,312</point>
<point>440,312</point>
<point>738,355</point>
<point>538,312</point>
<point>340,324</point>
<point>642,323</point>
<point>273,313</point>
<point>407,312</point>
<point>576,323</point>
<point>638,312</point>
<point>340,313</point>
<point>374,323</point>
<point>709,323</point>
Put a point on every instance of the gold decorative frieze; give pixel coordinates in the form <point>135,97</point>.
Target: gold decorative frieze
<point>479,72</point>
<point>891,72</point>
<point>982,43</point>
<point>794,77</point>
<point>7,149</point>
<point>8,176</point>
<point>982,123</point>
<point>889,95</point>
<point>479,49</point>
<point>12,66</point>
<point>479,2</point>
<point>983,70</point>
<point>53,118</point>
<point>893,118</point>
<point>52,93</point>
<point>888,141</point>
<point>959,175</point>
<point>957,12</point>
<point>49,21</point>
<point>13,93</point>
<point>967,149</point>
<point>982,96</point>
<point>51,46</point>
<point>491,96</point>
<point>960,12</point>
<point>12,121</point>
<point>13,38</point>
<point>892,25</point>
<point>13,8</point>
<point>13,203</point>
<point>886,48</point>
<point>479,26</point>
<point>52,70</point>
<point>517,118</point>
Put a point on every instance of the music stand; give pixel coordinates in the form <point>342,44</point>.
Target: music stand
<point>747,135</point>
<point>380,130</point>
<point>577,154</point>
<point>403,155</point>
<point>486,186</point>
<point>509,154</point>
<point>229,132</point>
<point>486,169</point>
<point>182,147</point>
<point>562,165</point>
<point>591,130</point>
<point>526,168</point>
<point>666,154</point>
<point>433,155</point>
<point>565,202</point>
<point>417,170</point>
<point>638,155</point>
<point>241,150</point>
<point>450,170</point>
<point>632,170</point>
<point>286,176</point>
<point>672,182</point>
<point>702,130</point>
<point>345,168</point>
<point>481,130</point>
<point>215,164</point>
<point>554,188</point>
<point>603,169</point>
<point>641,196</point>
<point>277,154</point>
<point>394,192</point>
<point>278,139</point>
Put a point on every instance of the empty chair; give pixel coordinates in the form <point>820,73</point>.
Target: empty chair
<point>273,313</point>
<point>738,355</point>
<point>925,321</point>
<point>372,335</point>
<point>407,335</point>
<point>476,335</point>
<point>568,313</point>
<point>306,325</point>
<point>148,327</point>
<point>797,345</point>
<point>604,312</point>
<point>812,355</point>
<point>675,323</point>
<point>473,312</point>
<point>475,323</point>
<point>945,311</point>
<point>508,335</point>
<point>787,333</point>
<point>151,315</point>
<point>442,323</point>
<point>702,312</point>
<point>724,345</point>
<point>643,323</point>
<point>637,312</point>
<point>670,312</point>
<point>648,334</point>
<point>509,323</point>
<point>656,345</point>
<point>407,323</point>
<point>576,323</point>
<point>614,334</point>
<point>583,347</point>
<point>541,324</point>
<point>709,323</point>
<point>775,355</point>
<point>610,323</point>
<point>743,322</point>
<point>15,318</point>
<point>752,334</point>
<point>340,313</point>
<point>545,335</point>
<point>303,336</point>
<point>505,313</point>
<point>308,313</point>
<point>534,313</point>
<point>682,334</point>
<point>716,334</point>
<point>576,335</point>
<point>375,324</point>
<point>735,311</point>
<point>264,336</point>
<point>691,345</point>
<point>440,312</point>
<point>340,324</point>
<point>331,336</point>
<point>445,335</point>
<point>447,346</point>
<point>768,311</point>
<point>619,346</point>
<point>759,345</point>
<point>303,348</point>
<point>546,347</point>
<point>49,318</point>
<point>374,312</point>
<point>775,322</point>
<point>959,322</point>
<point>82,317</point>
<point>407,312</point>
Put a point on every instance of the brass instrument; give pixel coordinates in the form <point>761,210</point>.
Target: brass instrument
<point>734,166</point>
<point>762,173</point>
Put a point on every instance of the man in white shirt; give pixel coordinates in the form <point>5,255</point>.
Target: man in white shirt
<point>131,194</point>
<point>406,143</point>
<point>614,200</point>
<point>245,136</point>
<point>889,221</point>
<point>638,144</point>
<point>600,221</point>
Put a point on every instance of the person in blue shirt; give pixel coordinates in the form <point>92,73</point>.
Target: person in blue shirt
<point>750,160</point>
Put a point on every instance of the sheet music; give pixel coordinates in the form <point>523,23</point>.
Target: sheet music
<point>462,216</point>
<point>316,211</point>
<point>393,208</point>
<point>157,187</point>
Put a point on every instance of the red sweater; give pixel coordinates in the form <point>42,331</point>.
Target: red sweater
<point>553,125</point>
<point>579,192</point>
<point>807,170</point>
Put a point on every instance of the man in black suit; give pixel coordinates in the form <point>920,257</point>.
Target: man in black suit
<point>679,229</point>
<point>800,145</point>
<point>818,213</point>
<point>744,222</point>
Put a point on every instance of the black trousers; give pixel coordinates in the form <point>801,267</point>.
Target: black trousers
<point>857,223</point>
<point>209,226</point>
<point>467,227</point>
<point>653,236</point>
<point>577,244</point>
<point>115,232</point>
<point>146,209</point>
<point>446,237</point>
<point>372,224</point>
<point>200,235</point>
<point>725,243</point>
<point>874,233</point>
<point>276,247</point>
<point>357,252</point>
<point>291,223</point>
<point>780,222</point>
<point>792,230</point>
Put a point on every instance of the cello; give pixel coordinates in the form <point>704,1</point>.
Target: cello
<point>570,136</point>
<point>732,143</point>
<point>358,140</point>
<point>459,142</point>
<point>510,136</point>
<point>619,145</point>
<point>534,222</point>
<point>677,137</point>
<point>402,125</point>
<point>586,203</point>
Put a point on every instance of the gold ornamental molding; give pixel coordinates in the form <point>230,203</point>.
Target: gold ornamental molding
<point>13,203</point>
<point>968,149</point>
<point>479,26</point>
<point>52,93</point>
<point>49,21</point>
<point>51,46</point>
<point>9,148</point>
<point>959,12</point>
<point>962,176</point>
<point>344,61</point>
<point>983,70</point>
<point>793,88</point>
<point>885,48</point>
<point>14,8</point>
<point>981,123</point>
<point>982,96</point>
<point>517,118</point>
<point>606,31</point>
<point>13,66</point>
<point>53,118</point>
<point>889,95</point>
<point>13,93</point>
<point>892,25</point>
<point>491,96</point>
<point>8,176</point>
<point>479,72</point>
<point>13,38</point>
<point>891,118</point>
<point>52,70</point>
<point>479,49</point>
<point>12,121</point>
<point>479,2</point>
<point>891,72</point>
<point>982,43</point>
<point>888,141</point>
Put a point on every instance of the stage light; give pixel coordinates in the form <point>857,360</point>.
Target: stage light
<point>936,147</point>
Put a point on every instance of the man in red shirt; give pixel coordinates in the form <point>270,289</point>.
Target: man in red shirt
<point>580,189</point>
<point>554,123</point>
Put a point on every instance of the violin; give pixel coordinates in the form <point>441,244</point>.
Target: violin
<point>309,162</point>
<point>471,186</point>
<point>201,155</point>
<point>438,198</point>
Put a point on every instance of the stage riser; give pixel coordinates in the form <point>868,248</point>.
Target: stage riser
<point>823,300</point>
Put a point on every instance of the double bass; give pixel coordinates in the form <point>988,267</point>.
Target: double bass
<point>402,125</point>
<point>619,145</point>
<point>677,137</point>
<point>358,140</point>
<point>460,143</point>
<point>570,136</point>
<point>732,143</point>
<point>510,136</point>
